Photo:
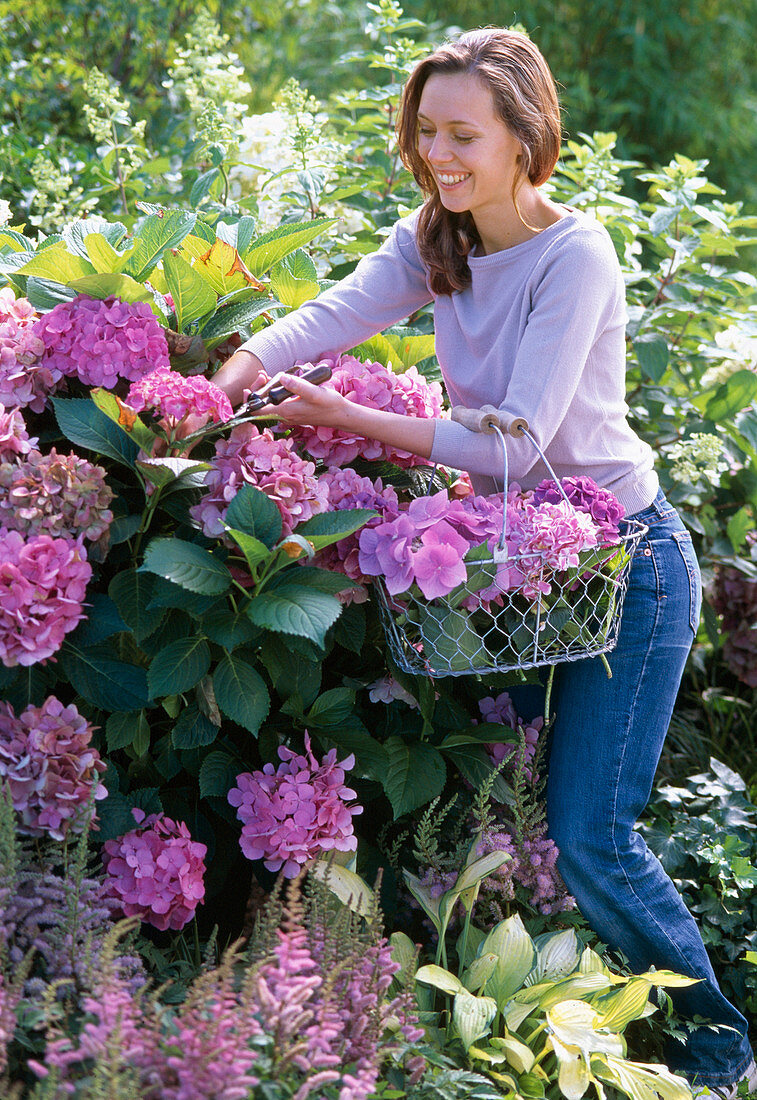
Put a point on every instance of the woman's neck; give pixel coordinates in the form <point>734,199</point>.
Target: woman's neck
<point>508,227</point>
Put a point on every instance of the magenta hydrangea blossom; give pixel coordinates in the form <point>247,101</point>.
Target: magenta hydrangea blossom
<point>64,496</point>
<point>156,871</point>
<point>501,710</point>
<point>296,812</point>
<point>173,396</point>
<point>24,379</point>
<point>272,465</point>
<point>99,341</point>
<point>375,387</point>
<point>14,438</point>
<point>585,495</point>
<point>347,489</point>
<point>50,767</point>
<point>43,582</point>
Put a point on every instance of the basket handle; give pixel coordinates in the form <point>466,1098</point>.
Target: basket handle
<point>487,418</point>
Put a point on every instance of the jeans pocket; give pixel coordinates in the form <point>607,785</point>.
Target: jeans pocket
<point>686,547</point>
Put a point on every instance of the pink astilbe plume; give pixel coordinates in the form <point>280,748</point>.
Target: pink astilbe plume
<point>14,438</point>
<point>252,457</point>
<point>375,387</point>
<point>99,341</point>
<point>296,812</point>
<point>173,396</point>
<point>63,496</point>
<point>156,871</point>
<point>51,769</point>
<point>43,582</point>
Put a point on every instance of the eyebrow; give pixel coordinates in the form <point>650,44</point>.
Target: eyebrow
<point>450,122</point>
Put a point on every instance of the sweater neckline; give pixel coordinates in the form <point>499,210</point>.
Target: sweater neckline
<point>506,255</point>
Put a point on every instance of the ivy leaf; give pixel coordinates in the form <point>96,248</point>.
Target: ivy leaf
<point>179,666</point>
<point>188,565</point>
<point>241,692</point>
<point>415,774</point>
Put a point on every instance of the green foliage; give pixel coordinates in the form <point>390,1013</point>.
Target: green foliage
<point>704,833</point>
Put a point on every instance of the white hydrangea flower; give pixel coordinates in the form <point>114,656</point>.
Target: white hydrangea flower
<point>699,457</point>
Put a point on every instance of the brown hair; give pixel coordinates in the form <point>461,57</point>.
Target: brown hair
<point>525,98</point>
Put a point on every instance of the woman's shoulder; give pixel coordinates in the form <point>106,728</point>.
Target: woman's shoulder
<point>578,232</point>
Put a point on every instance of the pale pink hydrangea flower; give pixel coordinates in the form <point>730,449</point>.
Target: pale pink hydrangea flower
<point>584,494</point>
<point>294,813</point>
<point>101,340</point>
<point>387,689</point>
<point>14,438</point>
<point>43,582</point>
<point>16,309</point>
<point>24,379</point>
<point>50,767</point>
<point>173,396</point>
<point>156,871</point>
<point>59,495</point>
<point>375,387</point>
<point>272,465</point>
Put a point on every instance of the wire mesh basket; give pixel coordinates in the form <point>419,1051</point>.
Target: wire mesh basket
<point>484,626</point>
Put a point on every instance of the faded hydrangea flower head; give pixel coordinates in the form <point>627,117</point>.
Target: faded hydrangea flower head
<point>14,438</point>
<point>156,871</point>
<point>43,583</point>
<point>252,457</point>
<point>296,812</point>
<point>99,341</point>
<point>173,396</point>
<point>50,767</point>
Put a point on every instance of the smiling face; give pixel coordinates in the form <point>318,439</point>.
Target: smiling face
<point>471,153</point>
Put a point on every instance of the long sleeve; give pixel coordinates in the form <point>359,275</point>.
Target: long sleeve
<point>385,287</point>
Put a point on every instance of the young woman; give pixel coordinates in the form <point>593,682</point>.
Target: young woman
<point>529,314</point>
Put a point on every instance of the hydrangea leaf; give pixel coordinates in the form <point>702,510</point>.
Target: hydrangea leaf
<point>329,527</point>
<point>188,565</point>
<point>123,728</point>
<point>290,672</point>
<point>218,774</point>
<point>87,426</point>
<point>57,263</point>
<point>254,513</point>
<point>131,592</point>
<point>294,280</point>
<point>45,294</point>
<point>76,233</point>
<point>111,284</point>
<point>193,729</point>
<point>179,666</point>
<point>332,708</point>
<point>237,317</point>
<point>124,417</point>
<point>173,473</point>
<point>103,621</point>
<point>294,608</point>
<point>415,774</point>
<point>228,628</point>
<point>157,233</point>
<point>272,247</point>
<point>474,763</point>
<point>241,692</point>
<point>103,681</point>
<point>193,297</point>
<point>729,398</point>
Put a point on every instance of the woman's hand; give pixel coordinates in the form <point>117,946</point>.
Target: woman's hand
<point>314,405</point>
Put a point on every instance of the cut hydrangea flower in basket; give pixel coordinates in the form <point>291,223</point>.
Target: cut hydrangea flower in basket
<point>501,583</point>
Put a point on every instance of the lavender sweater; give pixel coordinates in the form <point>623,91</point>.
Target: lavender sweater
<point>539,332</point>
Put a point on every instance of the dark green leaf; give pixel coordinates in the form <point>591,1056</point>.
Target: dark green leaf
<point>329,527</point>
<point>188,565</point>
<point>193,729</point>
<point>103,681</point>
<point>218,774</point>
<point>291,673</point>
<point>370,755</point>
<point>241,692</point>
<point>415,774</point>
<point>734,395</point>
<point>228,629</point>
<point>103,621</point>
<point>122,729</point>
<point>179,666</point>
<point>167,594</point>
<point>84,424</point>
<point>254,513</point>
<point>235,318</point>
<point>294,608</point>
<point>332,708</point>
<point>324,580</point>
<point>125,418</point>
<point>349,631</point>
<point>474,763</point>
<point>653,355</point>
<point>45,294</point>
<point>253,549</point>
<point>131,592</point>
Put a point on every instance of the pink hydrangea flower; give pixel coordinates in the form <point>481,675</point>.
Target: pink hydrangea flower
<point>584,494</point>
<point>59,495</point>
<point>43,582</point>
<point>14,438</point>
<point>173,396</point>
<point>50,767</point>
<point>24,379</point>
<point>272,465</point>
<point>101,340</point>
<point>294,813</point>
<point>387,689</point>
<point>371,385</point>
<point>156,871</point>
<point>347,489</point>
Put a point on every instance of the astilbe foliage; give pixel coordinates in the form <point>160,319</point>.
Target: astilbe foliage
<point>156,871</point>
<point>252,457</point>
<point>375,387</point>
<point>99,341</point>
<point>51,769</point>
<point>43,582</point>
<point>57,495</point>
<point>174,397</point>
<point>296,812</point>
<point>735,598</point>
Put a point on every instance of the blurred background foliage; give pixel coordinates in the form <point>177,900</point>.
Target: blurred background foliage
<point>664,76</point>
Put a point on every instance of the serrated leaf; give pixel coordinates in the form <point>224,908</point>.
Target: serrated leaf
<point>241,692</point>
<point>76,233</point>
<point>254,513</point>
<point>293,608</point>
<point>131,592</point>
<point>218,774</point>
<point>272,247</point>
<point>168,471</point>
<point>290,673</point>
<point>45,294</point>
<point>237,317</point>
<point>227,628</point>
<point>56,263</point>
<point>730,398</point>
<point>294,280</point>
<point>178,666</point>
<point>126,419</point>
<point>102,255</point>
<point>474,763</point>
<point>122,729</point>
<point>350,628</point>
<point>121,286</point>
<point>103,681</point>
<point>193,298</point>
<point>653,355</point>
<point>103,621</point>
<point>193,729</point>
<point>188,565</point>
<point>415,774</point>
<point>87,426</point>
<point>158,232</point>
<point>329,527</point>
<point>253,549</point>
<point>332,708</point>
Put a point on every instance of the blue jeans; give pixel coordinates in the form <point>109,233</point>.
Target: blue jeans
<point>605,746</point>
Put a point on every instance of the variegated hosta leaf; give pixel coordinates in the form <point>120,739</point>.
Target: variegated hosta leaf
<point>572,1072</point>
<point>641,1080</point>
<point>479,972</point>
<point>470,876</point>
<point>516,1012</point>
<point>513,946</point>
<point>440,979</point>
<point>576,1024</point>
<point>592,963</point>
<point>422,895</point>
<point>574,988</point>
<point>617,1009</point>
<point>520,1056</point>
<point>472,1016</point>
<point>557,955</point>
<point>487,1054</point>
<point>668,979</point>
<point>404,952</point>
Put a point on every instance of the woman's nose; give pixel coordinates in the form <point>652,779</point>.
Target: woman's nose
<point>439,149</point>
